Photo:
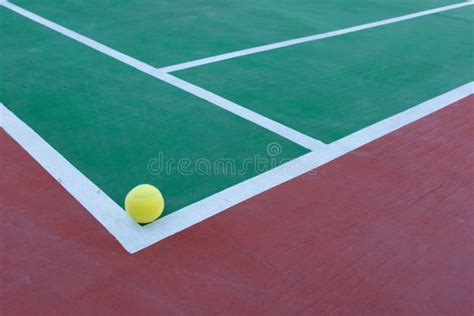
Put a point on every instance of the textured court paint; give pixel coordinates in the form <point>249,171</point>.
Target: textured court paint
<point>109,120</point>
<point>164,33</point>
<point>334,87</point>
<point>384,230</point>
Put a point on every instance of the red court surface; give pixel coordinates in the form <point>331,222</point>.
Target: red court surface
<point>385,229</point>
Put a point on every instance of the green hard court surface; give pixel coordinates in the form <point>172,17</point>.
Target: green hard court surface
<point>109,119</point>
<point>168,32</point>
<point>331,88</point>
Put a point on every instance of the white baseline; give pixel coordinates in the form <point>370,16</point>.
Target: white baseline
<point>236,194</point>
<point>133,237</point>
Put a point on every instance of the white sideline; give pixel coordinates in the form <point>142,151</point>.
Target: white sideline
<point>133,237</point>
<point>311,38</point>
<point>277,128</point>
<point>102,207</point>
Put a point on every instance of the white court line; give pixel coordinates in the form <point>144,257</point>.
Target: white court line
<point>245,113</point>
<point>133,237</point>
<point>277,128</point>
<point>236,194</point>
<point>101,206</point>
<point>311,38</point>
<point>162,73</point>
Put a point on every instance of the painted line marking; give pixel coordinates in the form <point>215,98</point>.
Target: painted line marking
<point>263,121</point>
<point>236,194</point>
<point>101,206</point>
<point>267,123</point>
<point>133,237</point>
<point>311,38</point>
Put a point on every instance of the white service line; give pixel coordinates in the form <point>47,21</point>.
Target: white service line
<point>245,113</point>
<point>277,128</point>
<point>133,237</point>
<point>311,38</point>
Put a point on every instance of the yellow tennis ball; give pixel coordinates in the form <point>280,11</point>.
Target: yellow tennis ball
<point>144,203</point>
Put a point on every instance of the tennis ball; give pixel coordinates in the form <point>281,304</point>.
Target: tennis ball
<point>144,203</point>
